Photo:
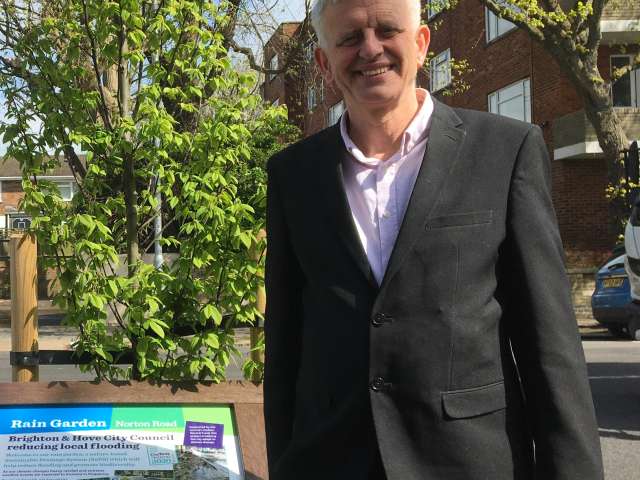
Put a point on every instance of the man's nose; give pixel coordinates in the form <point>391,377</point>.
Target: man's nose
<point>371,46</point>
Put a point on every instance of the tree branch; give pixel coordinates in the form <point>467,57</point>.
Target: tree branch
<point>593,22</point>
<point>94,61</point>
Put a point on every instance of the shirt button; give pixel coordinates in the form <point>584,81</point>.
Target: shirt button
<point>377,384</point>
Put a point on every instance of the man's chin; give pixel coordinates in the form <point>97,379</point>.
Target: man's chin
<point>376,100</point>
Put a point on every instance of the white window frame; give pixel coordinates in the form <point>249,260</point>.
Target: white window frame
<point>273,65</point>
<point>65,183</point>
<point>494,101</point>
<point>491,19</point>
<point>435,81</point>
<point>634,81</point>
<point>332,113</point>
<point>312,99</point>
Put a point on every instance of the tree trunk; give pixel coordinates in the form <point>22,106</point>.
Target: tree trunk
<point>128,173</point>
<point>583,72</point>
<point>613,141</point>
<point>128,180</point>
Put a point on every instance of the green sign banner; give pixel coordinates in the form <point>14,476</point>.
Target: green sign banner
<point>119,442</point>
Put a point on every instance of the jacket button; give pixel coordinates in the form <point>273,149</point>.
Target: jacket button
<point>377,384</point>
<point>380,319</point>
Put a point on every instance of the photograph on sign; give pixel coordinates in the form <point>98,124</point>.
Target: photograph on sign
<point>119,442</point>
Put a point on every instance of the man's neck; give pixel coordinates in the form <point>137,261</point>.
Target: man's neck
<point>378,133</point>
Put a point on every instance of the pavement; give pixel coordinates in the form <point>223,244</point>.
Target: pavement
<point>45,307</point>
<point>52,336</point>
<point>614,375</point>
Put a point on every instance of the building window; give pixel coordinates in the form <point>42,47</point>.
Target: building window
<point>513,101</point>
<point>496,26</point>
<point>434,7</point>
<point>335,112</point>
<point>308,52</point>
<point>273,65</point>
<point>311,98</point>
<point>625,90</point>
<point>66,189</point>
<point>20,222</point>
<point>440,71</point>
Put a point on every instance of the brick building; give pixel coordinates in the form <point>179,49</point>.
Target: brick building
<point>513,76</point>
<point>11,191</point>
<point>11,215</point>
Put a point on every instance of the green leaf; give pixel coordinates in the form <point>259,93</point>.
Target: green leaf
<point>194,366</point>
<point>96,300</point>
<point>142,346</point>
<point>113,287</point>
<point>211,311</point>
<point>209,364</point>
<point>212,340</point>
<point>156,328</point>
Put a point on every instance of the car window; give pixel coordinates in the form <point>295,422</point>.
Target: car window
<point>616,252</point>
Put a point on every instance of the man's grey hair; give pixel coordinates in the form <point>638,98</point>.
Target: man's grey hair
<point>320,5</point>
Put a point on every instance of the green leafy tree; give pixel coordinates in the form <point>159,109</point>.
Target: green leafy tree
<point>147,92</point>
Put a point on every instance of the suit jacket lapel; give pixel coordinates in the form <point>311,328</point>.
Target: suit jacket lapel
<point>443,147</point>
<point>333,155</point>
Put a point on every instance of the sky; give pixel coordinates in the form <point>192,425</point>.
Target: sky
<point>291,10</point>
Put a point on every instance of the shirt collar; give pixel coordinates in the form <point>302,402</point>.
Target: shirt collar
<point>415,133</point>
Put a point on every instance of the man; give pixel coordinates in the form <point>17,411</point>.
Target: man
<point>418,323</point>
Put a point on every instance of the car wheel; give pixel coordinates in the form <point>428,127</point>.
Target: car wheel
<point>633,329</point>
<point>617,331</point>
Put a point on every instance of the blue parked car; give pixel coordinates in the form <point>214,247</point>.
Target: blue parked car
<point>611,298</point>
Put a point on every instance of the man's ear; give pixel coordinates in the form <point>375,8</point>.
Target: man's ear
<point>423,37</point>
<point>323,64</point>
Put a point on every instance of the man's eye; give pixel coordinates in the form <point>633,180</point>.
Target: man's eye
<point>349,40</point>
<point>389,32</point>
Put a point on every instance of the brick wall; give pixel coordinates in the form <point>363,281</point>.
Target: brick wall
<point>578,185</point>
<point>11,195</point>
<point>622,12</point>
<point>582,286</point>
<point>275,87</point>
<point>582,210</point>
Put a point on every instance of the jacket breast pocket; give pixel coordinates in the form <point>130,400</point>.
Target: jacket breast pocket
<point>473,402</point>
<point>468,219</point>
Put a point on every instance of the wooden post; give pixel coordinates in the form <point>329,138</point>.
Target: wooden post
<point>261,303</point>
<point>24,303</point>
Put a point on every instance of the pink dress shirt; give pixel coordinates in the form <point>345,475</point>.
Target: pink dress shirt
<point>379,190</point>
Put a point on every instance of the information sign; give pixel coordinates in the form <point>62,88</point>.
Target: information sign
<point>119,442</point>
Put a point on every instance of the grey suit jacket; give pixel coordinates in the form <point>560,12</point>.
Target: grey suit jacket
<point>465,357</point>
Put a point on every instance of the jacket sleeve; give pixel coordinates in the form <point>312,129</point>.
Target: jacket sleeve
<point>283,280</point>
<point>542,327</point>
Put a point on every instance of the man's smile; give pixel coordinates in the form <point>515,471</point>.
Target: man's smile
<point>375,70</point>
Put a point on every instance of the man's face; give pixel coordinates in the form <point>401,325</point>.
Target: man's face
<point>372,51</point>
